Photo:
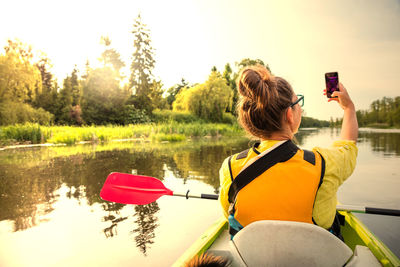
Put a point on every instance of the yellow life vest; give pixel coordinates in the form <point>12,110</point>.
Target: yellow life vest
<point>285,191</point>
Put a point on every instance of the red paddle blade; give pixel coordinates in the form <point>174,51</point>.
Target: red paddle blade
<point>132,189</point>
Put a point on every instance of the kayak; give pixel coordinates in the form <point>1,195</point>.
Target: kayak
<point>279,243</point>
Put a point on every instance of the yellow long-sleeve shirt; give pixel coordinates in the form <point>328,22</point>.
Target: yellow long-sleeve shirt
<point>340,161</point>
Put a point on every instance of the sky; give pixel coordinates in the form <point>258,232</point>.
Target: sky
<point>299,40</point>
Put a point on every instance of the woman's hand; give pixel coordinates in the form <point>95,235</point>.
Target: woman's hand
<point>349,125</point>
<point>342,96</point>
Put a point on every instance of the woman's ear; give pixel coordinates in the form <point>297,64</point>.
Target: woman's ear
<point>290,116</point>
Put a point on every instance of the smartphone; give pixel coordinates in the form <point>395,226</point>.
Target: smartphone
<point>332,83</point>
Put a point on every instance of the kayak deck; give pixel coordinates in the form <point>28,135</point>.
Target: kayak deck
<point>354,232</point>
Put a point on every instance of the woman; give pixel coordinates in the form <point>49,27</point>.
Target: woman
<point>275,180</point>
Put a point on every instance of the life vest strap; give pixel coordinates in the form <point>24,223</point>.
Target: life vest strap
<point>282,153</point>
<point>230,167</point>
<point>309,156</point>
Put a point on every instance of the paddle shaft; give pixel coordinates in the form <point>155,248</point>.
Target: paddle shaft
<point>188,195</point>
<point>350,208</point>
<point>368,210</point>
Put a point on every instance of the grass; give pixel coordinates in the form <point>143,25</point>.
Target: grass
<point>167,131</point>
<point>23,133</point>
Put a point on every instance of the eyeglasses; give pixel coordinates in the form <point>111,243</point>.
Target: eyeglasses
<point>300,100</point>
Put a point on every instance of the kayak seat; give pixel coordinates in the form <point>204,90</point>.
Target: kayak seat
<point>286,243</point>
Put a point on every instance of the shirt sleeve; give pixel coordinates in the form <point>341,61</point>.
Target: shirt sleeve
<point>340,161</point>
<point>225,183</point>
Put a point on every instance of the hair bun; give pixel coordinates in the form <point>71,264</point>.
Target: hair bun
<point>265,75</point>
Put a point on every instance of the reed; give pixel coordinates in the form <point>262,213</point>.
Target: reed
<point>29,132</point>
<point>169,131</point>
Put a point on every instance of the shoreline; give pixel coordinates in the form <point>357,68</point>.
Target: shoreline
<point>141,140</point>
<point>379,130</point>
<point>34,135</point>
<point>148,139</point>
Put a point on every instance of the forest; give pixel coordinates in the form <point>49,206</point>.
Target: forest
<point>29,92</point>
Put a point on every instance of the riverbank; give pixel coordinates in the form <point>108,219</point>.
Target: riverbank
<point>34,134</point>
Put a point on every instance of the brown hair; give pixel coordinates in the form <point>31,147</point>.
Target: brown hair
<point>263,101</point>
<point>208,260</point>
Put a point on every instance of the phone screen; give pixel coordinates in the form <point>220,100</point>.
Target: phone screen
<point>332,83</point>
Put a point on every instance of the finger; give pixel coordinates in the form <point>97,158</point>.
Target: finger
<point>342,88</point>
<point>336,94</point>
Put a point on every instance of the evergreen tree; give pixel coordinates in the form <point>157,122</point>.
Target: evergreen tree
<point>75,88</point>
<point>142,66</point>
<point>48,97</point>
<point>228,76</point>
<point>64,103</point>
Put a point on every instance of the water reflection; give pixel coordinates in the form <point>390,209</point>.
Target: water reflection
<point>30,179</point>
<point>388,142</point>
<point>147,223</point>
<point>301,136</point>
<point>25,196</point>
<point>113,216</point>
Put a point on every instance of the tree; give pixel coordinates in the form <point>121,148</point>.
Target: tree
<point>142,66</point>
<point>76,91</point>
<point>110,57</point>
<point>383,112</point>
<point>251,62</point>
<point>20,79</point>
<point>67,108</point>
<point>174,91</point>
<point>228,74</point>
<point>156,95</point>
<point>48,97</point>
<point>64,103</point>
<point>20,86</point>
<point>229,77</point>
<point>208,100</point>
<point>103,100</point>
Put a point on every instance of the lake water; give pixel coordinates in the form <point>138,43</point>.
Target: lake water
<point>51,213</point>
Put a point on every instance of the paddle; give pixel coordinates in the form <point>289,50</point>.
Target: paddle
<point>140,190</point>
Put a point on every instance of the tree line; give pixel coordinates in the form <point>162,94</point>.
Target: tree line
<point>382,113</point>
<point>29,91</point>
